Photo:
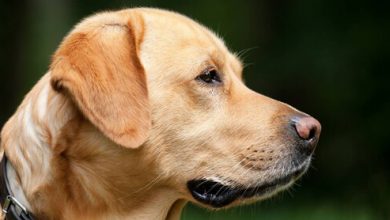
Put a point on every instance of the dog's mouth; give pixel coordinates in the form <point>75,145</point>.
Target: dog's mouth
<point>218,195</point>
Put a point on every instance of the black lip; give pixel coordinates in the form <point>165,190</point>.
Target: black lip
<point>218,195</point>
<point>212,193</point>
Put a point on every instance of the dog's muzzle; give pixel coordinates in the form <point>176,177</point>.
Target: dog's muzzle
<point>303,133</point>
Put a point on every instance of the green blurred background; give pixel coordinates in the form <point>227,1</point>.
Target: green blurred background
<point>326,57</point>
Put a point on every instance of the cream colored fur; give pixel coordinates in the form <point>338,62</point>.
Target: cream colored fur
<point>119,123</point>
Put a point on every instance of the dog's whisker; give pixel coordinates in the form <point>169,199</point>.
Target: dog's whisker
<point>242,52</point>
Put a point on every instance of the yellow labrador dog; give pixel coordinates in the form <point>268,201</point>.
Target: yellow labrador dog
<point>141,111</point>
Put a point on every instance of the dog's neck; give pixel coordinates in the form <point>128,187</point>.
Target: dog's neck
<point>68,169</point>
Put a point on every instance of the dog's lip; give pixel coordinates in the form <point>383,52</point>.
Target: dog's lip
<point>212,193</point>
<point>218,195</point>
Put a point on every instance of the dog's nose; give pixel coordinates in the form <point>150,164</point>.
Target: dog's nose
<point>307,127</point>
<point>308,130</point>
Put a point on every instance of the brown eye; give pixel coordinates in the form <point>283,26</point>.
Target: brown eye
<point>210,76</point>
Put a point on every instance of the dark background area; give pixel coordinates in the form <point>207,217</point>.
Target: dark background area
<point>328,58</point>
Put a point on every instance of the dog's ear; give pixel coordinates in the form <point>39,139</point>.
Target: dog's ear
<point>100,70</point>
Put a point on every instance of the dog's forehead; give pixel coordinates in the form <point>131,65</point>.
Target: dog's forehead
<point>179,27</point>
<point>174,33</point>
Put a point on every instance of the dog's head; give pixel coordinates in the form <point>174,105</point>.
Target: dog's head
<point>160,82</point>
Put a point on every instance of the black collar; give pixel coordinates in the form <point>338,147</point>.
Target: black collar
<point>11,208</point>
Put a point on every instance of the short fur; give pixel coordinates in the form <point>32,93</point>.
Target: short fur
<point>119,123</point>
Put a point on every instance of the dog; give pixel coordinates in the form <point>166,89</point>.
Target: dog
<point>141,111</point>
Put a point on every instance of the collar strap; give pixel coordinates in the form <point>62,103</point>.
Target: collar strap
<point>11,207</point>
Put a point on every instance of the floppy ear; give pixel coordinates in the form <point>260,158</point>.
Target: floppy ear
<point>100,70</point>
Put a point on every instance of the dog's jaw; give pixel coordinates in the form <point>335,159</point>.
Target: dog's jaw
<point>216,195</point>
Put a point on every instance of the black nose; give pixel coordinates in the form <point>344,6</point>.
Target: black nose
<point>308,130</point>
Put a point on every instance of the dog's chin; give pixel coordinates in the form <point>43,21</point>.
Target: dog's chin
<point>217,195</point>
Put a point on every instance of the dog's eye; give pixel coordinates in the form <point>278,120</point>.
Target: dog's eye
<point>210,76</point>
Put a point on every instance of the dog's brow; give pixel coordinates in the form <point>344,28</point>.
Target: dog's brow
<point>218,59</point>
